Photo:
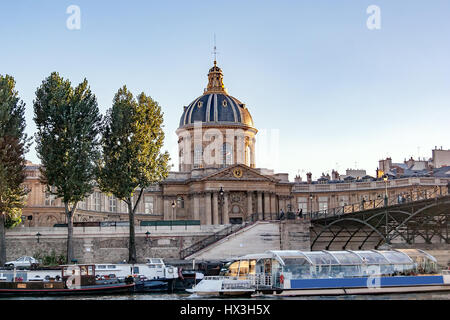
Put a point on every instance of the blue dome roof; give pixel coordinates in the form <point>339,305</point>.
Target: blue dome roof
<point>216,108</point>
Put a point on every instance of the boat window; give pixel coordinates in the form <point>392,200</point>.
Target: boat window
<point>372,257</point>
<point>299,267</point>
<point>320,257</point>
<point>347,257</point>
<point>233,269</point>
<point>252,266</point>
<point>135,270</point>
<point>243,268</point>
<point>156,261</point>
<point>111,266</point>
<point>425,263</point>
<point>396,257</point>
<point>101,266</point>
<point>268,265</point>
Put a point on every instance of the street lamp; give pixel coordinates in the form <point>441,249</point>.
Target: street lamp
<point>310,204</point>
<point>38,235</point>
<point>221,202</point>
<point>173,208</point>
<point>385,179</point>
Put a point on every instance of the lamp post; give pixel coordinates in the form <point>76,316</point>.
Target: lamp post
<point>38,235</point>
<point>310,204</point>
<point>385,179</point>
<point>221,202</point>
<point>173,208</point>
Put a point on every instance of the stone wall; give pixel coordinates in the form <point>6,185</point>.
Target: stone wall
<point>103,245</point>
<point>295,235</point>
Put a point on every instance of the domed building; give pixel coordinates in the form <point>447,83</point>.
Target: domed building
<point>218,120</point>
<point>217,181</point>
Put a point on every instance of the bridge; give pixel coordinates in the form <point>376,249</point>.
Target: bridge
<point>419,219</point>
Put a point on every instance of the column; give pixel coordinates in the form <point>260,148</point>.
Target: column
<point>252,157</point>
<point>225,217</point>
<point>196,207</point>
<point>215,208</point>
<point>267,215</point>
<point>260,206</point>
<point>249,204</point>
<point>208,207</point>
<point>166,212</point>
<point>273,206</point>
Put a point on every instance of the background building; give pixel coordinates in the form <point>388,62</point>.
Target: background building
<point>218,182</point>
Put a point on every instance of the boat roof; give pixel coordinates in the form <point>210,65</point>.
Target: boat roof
<point>344,257</point>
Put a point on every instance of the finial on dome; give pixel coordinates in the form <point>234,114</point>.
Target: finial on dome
<point>215,76</point>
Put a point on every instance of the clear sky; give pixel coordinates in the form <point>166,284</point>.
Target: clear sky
<point>329,92</point>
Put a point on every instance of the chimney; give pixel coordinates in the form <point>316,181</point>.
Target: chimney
<point>309,177</point>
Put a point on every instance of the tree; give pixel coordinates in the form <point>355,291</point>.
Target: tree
<point>131,152</point>
<point>13,146</point>
<point>68,127</point>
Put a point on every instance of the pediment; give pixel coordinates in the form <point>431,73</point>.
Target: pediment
<point>239,172</point>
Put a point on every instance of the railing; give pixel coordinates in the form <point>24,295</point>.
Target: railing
<point>249,281</point>
<point>212,239</point>
<point>375,204</point>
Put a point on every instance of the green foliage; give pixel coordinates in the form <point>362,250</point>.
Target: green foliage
<point>132,141</point>
<point>14,144</point>
<point>131,144</point>
<point>68,125</point>
<point>50,260</point>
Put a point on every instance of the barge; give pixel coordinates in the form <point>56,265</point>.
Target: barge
<point>74,280</point>
<point>300,273</point>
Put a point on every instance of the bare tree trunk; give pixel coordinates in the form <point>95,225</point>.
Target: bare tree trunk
<point>132,258</point>
<point>69,214</point>
<point>132,242</point>
<point>2,240</point>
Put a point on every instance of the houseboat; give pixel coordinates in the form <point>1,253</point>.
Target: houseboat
<point>77,279</point>
<point>298,273</point>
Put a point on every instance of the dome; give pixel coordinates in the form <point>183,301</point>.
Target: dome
<point>216,106</point>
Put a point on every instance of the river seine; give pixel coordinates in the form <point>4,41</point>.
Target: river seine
<point>187,297</point>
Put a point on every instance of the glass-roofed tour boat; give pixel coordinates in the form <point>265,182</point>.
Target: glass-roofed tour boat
<point>297,273</point>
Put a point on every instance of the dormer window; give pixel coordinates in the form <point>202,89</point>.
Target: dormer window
<point>200,104</point>
<point>224,103</point>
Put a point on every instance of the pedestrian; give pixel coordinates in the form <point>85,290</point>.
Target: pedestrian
<point>300,214</point>
<point>281,214</point>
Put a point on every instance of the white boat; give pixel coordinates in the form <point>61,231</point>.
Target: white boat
<point>154,268</point>
<point>296,273</point>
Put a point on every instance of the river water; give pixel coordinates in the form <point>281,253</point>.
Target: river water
<point>188,296</point>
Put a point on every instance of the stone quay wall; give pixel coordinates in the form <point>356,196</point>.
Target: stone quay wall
<point>106,244</point>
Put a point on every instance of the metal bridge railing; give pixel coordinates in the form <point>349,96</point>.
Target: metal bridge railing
<point>375,204</point>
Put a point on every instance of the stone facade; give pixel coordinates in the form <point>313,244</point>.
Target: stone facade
<point>218,182</point>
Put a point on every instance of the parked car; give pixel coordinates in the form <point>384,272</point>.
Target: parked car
<point>23,262</point>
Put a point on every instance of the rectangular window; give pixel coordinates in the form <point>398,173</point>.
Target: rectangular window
<point>343,201</point>
<point>49,198</point>
<point>112,204</point>
<point>302,204</point>
<point>97,201</point>
<point>323,204</point>
<point>148,204</point>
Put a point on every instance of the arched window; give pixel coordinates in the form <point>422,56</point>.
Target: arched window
<point>198,157</point>
<point>227,154</point>
<point>181,158</point>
